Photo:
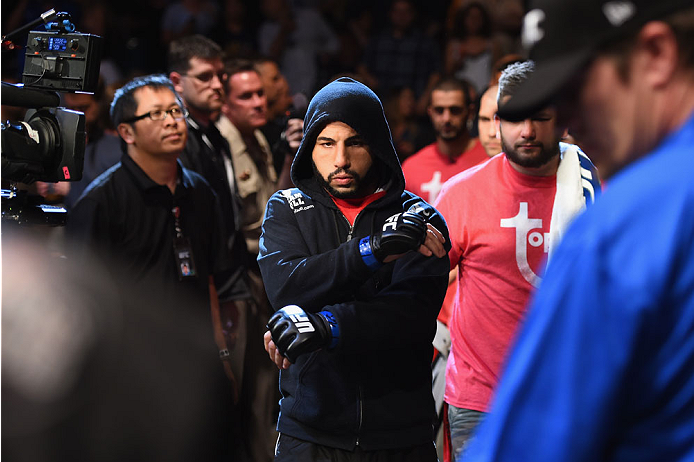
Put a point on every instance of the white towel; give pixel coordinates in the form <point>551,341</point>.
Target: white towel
<point>569,200</point>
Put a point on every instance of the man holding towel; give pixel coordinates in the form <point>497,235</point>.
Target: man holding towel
<point>504,216</point>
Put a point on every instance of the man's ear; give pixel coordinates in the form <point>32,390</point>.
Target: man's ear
<point>177,81</point>
<point>127,132</point>
<point>658,49</point>
<point>497,123</point>
<point>471,112</point>
<point>566,137</point>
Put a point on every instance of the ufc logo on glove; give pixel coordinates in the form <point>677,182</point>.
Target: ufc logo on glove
<point>300,319</point>
<point>391,222</point>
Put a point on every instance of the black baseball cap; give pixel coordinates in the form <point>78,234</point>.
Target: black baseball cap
<point>563,35</point>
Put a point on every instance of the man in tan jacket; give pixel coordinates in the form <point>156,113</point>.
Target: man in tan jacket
<point>243,113</point>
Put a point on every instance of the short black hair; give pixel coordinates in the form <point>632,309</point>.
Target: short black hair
<point>182,50</point>
<point>236,66</point>
<point>455,84</point>
<point>262,59</point>
<point>124,103</point>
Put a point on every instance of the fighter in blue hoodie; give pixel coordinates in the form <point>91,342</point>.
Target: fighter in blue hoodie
<point>347,261</point>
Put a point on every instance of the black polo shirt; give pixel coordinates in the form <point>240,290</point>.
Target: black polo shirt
<point>127,219</point>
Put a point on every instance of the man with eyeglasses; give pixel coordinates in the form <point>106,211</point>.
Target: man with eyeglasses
<point>198,75</point>
<point>147,204</point>
<point>197,72</point>
<point>155,225</point>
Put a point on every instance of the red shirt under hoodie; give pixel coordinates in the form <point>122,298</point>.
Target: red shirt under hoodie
<point>350,208</point>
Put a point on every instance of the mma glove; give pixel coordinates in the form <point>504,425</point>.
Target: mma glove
<point>296,332</point>
<point>399,234</point>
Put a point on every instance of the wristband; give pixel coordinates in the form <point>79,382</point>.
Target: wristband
<point>224,354</point>
<point>334,328</point>
<point>367,255</point>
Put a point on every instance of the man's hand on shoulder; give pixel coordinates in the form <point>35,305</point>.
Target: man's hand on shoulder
<point>401,233</point>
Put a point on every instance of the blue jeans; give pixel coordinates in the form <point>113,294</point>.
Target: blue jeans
<point>462,423</point>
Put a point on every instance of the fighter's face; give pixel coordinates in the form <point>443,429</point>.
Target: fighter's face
<point>342,162</point>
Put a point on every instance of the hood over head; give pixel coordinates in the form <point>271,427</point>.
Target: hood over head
<point>353,103</point>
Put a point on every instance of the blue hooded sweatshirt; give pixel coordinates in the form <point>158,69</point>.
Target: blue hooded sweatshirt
<point>373,389</point>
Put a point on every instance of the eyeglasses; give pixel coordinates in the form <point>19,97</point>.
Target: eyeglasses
<point>158,114</point>
<point>207,77</point>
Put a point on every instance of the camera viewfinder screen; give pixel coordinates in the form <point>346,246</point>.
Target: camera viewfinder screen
<point>57,44</point>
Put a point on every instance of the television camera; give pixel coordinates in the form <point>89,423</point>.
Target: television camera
<point>48,145</point>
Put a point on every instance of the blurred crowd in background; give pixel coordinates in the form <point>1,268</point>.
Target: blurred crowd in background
<point>398,48</point>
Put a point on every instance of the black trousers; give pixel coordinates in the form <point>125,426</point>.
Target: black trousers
<point>291,449</point>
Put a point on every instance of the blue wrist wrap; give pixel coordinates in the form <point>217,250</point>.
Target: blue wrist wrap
<point>367,255</point>
<point>334,328</point>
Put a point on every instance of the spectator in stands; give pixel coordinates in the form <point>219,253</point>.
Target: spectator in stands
<point>401,55</point>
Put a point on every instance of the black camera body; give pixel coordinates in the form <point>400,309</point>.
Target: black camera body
<point>49,144</point>
<point>62,61</point>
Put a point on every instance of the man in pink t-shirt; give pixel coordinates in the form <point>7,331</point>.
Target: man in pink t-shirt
<point>454,149</point>
<point>425,172</point>
<point>504,217</point>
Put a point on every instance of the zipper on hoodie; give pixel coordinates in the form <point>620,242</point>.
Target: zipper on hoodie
<point>360,394</point>
<point>350,233</point>
<point>361,414</point>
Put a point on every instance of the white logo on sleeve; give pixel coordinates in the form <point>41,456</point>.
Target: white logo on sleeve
<point>532,33</point>
<point>296,201</point>
<point>523,225</point>
<point>299,318</point>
